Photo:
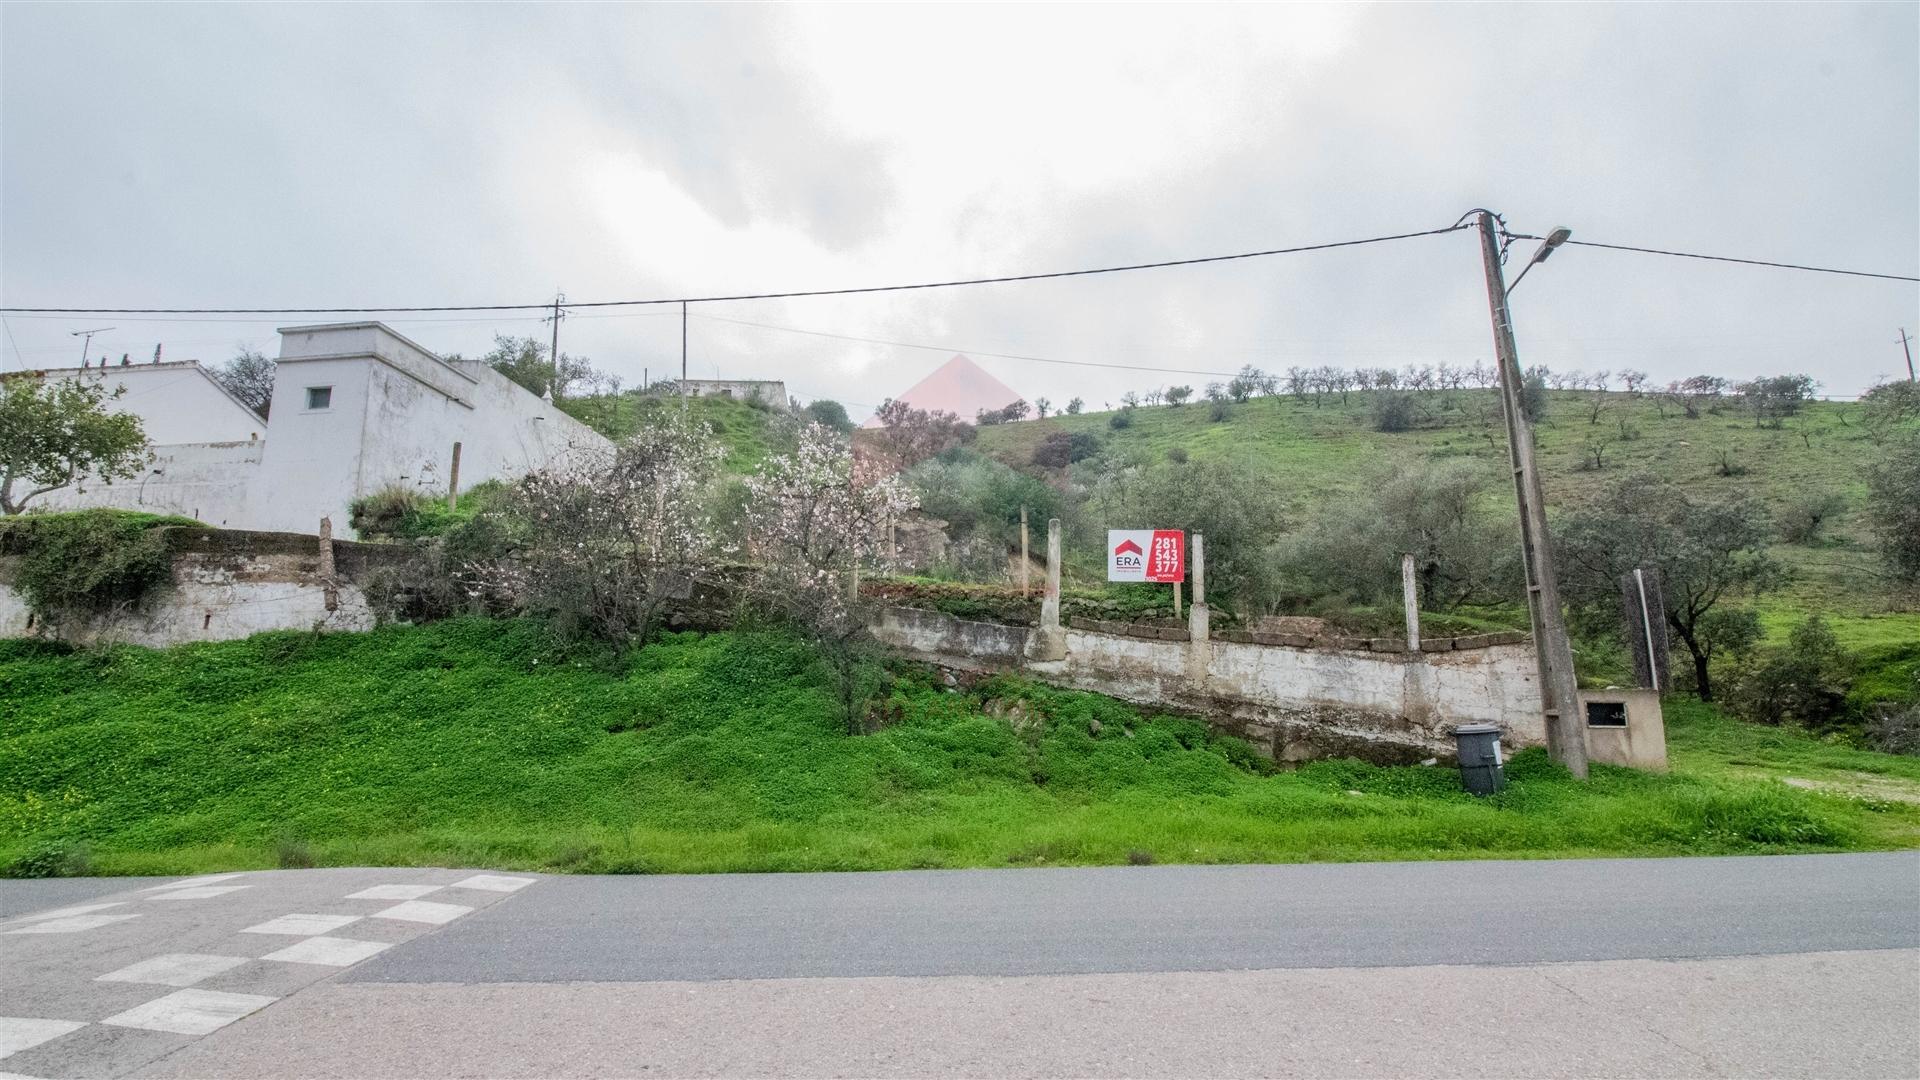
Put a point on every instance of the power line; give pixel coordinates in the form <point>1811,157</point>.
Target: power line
<point>742,296</point>
<point>1715,258</point>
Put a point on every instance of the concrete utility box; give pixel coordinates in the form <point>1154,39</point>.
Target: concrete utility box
<point>1482,769</point>
<point>1625,727</point>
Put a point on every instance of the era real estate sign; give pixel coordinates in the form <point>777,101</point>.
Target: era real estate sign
<point>1146,555</point>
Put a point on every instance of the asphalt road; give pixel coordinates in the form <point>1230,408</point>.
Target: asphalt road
<point>1171,918</point>
<point>1794,966</point>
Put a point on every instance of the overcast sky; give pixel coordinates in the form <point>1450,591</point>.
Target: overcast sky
<point>336,155</point>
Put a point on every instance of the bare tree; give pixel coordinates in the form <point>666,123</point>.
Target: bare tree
<point>249,377</point>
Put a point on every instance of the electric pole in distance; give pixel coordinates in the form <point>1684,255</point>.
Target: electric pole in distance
<point>1908,349</point>
<point>553,350</point>
<point>1559,693</point>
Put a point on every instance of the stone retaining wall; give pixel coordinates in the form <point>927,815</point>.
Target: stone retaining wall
<point>226,584</point>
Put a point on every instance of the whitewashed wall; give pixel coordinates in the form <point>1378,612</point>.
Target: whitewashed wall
<point>208,482</point>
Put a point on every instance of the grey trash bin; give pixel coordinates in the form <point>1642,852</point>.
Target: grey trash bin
<point>1482,771</point>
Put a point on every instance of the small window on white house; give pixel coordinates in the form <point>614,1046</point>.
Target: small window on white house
<point>319,397</point>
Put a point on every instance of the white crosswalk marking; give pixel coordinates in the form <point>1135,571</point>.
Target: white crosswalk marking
<point>20,1032</point>
<point>58,913</point>
<point>71,924</point>
<point>394,892</point>
<point>197,892</point>
<point>174,969</point>
<point>331,951</point>
<point>493,883</point>
<point>205,879</point>
<point>190,1012</point>
<point>424,911</point>
<point>302,925</point>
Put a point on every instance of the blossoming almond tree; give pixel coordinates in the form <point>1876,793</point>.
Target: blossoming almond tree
<point>819,515</point>
<point>611,536</point>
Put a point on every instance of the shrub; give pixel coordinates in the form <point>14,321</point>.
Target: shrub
<point>1773,399</point>
<point>89,560</point>
<point>1892,402</point>
<point>386,512</point>
<point>1218,409</point>
<point>1061,449</point>
<point>1393,411</point>
<point>1177,455</point>
<point>829,414</point>
<point>1533,395</point>
<point>978,494</point>
<point>1121,420</point>
<point>1893,507</point>
<point>1805,682</point>
<point>1810,512</point>
<point>49,859</point>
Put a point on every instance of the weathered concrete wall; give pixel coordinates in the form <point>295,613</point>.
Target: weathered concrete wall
<point>1295,702</point>
<point>770,392</point>
<point>225,585</point>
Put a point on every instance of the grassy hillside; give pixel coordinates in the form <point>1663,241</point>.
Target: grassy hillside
<point>1329,450</point>
<point>748,432</point>
<point>477,742</point>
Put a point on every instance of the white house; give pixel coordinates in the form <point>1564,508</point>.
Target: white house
<point>356,408</point>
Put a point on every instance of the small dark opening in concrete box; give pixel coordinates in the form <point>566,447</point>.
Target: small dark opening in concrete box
<point>1606,714</point>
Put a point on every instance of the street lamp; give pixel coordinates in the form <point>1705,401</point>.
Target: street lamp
<point>1554,239</point>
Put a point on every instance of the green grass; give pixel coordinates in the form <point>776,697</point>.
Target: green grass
<point>483,743</point>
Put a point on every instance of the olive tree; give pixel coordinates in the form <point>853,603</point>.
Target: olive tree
<point>1893,507</point>
<point>1463,551</point>
<point>1707,549</point>
<point>54,432</point>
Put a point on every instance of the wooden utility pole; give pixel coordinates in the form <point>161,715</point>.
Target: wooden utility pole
<point>1559,692</point>
<point>1908,349</point>
<point>683,341</point>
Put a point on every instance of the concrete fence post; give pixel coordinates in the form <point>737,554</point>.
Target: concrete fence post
<point>1411,594</point>
<point>1199,650</point>
<point>1025,560</point>
<point>329,585</point>
<point>453,479</point>
<point>1049,639</point>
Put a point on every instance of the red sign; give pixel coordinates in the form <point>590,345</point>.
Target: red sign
<point>1146,555</point>
<point>1167,559</point>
